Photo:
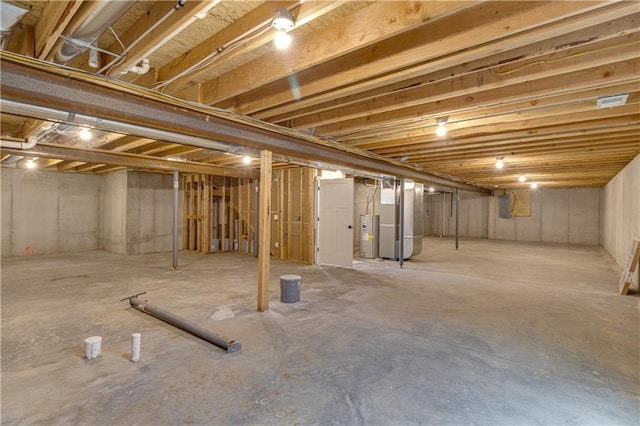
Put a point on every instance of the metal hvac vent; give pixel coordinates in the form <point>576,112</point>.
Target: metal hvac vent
<point>612,101</point>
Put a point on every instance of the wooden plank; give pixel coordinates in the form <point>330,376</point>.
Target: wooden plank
<point>384,19</point>
<point>281,213</point>
<point>52,21</point>
<point>627,272</point>
<point>171,26</point>
<point>223,215</point>
<point>264,229</point>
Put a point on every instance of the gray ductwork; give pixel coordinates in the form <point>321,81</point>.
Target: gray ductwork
<point>103,15</point>
<point>10,15</point>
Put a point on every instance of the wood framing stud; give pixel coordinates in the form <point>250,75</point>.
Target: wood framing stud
<point>264,230</point>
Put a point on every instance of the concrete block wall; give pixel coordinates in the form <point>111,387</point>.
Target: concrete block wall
<point>621,214</point>
<point>48,212</point>
<point>565,215</point>
<point>440,219</point>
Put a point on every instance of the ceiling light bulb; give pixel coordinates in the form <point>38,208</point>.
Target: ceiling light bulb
<point>282,40</point>
<point>499,162</point>
<point>522,178</point>
<point>31,164</point>
<point>246,159</point>
<point>441,130</point>
<point>534,185</point>
<point>84,134</point>
<point>431,189</point>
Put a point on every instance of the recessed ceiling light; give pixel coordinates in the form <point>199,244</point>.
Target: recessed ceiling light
<point>522,178</point>
<point>499,162</point>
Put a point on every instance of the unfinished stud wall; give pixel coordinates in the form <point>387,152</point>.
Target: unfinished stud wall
<point>440,214</point>
<point>292,214</point>
<point>563,215</point>
<point>49,212</point>
<point>621,214</point>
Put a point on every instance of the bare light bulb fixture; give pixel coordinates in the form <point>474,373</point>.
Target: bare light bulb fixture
<point>499,162</point>
<point>31,164</point>
<point>84,134</point>
<point>282,40</point>
<point>534,185</point>
<point>283,22</point>
<point>522,178</point>
<point>431,189</point>
<point>246,159</point>
<point>441,130</point>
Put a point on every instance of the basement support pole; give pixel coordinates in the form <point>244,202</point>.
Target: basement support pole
<point>457,215</point>
<point>176,198</point>
<point>256,227</point>
<point>264,230</point>
<point>401,222</point>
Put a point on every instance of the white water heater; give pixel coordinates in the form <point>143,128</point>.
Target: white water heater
<point>369,231</point>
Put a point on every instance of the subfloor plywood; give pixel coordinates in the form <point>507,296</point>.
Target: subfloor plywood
<point>456,337</point>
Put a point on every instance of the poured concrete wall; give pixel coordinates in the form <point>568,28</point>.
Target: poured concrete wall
<point>115,212</point>
<point>621,214</point>
<point>567,215</point>
<point>440,218</point>
<point>49,212</point>
<point>149,213</point>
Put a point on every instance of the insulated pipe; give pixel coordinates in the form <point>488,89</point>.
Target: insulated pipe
<point>30,143</point>
<point>182,324</point>
<point>142,68</point>
<point>401,245</point>
<point>176,192</point>
<point>105,13</point>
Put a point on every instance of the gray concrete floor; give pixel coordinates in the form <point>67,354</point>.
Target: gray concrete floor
<point>495,333</point>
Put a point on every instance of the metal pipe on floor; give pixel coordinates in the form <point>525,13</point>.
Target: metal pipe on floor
<point>457,215</point>
<point>182,324</point>
<point>401,230</point>
<point>176,193</point>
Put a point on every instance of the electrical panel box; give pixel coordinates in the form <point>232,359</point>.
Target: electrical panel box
<point>505,210</point>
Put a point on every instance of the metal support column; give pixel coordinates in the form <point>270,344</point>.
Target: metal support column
<point>457,215</point>
<point>401,230</point>
<point>176,198</point>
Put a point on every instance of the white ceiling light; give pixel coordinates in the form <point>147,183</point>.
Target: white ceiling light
<point>246,159</point>
<point>84,134</point>
<point>31,164</point>
<point>522,178</point>
<point>431,189</point>
<point>282,40</point>
<point>441,130</point>
<point>534,185</point>
<point>612,101</point>
<point>283,22</point>
<point>499,162</point>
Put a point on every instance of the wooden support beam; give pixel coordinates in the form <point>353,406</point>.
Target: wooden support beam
<point>264,237</point>
<point>172,25</point>
<point>123,159</point>
<point>347,35</point>
<point>52,21</point>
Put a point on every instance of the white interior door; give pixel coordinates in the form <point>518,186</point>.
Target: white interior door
<point>335,222</point>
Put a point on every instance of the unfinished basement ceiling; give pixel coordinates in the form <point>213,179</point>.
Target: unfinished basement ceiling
<point>518,80</point>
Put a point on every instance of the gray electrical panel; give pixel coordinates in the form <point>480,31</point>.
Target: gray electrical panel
<point>505,211</point>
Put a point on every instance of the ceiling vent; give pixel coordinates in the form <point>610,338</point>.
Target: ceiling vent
<point>612,101</point>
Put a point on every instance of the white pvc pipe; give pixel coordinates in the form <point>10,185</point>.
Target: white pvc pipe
<point>135,347</point>
<point>93,347</point>
<point>30,143</point>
